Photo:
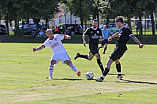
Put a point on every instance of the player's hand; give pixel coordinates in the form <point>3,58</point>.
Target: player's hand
<point>141,46</point>
<point>68,37</point>
<point>84,43</point>
<point>110,38</point>
<point>101,39</point>
<point>34,49</point>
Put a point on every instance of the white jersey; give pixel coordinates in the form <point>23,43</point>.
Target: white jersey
<point>55,44</point>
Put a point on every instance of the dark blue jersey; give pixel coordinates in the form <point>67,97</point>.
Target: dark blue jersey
<point>124,35</point>
<point>94,36</point>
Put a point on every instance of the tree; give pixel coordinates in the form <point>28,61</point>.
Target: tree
<point>152,6</point>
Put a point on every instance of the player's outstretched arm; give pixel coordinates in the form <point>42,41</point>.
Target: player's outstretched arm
<point>84,41</point>
<point>67,37</point>
<point>39,48</point>
<point>101,39</point>
<point>115,35</point>
<point>137,41</point>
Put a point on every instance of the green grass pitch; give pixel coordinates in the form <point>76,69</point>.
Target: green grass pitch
<point>23,76</point>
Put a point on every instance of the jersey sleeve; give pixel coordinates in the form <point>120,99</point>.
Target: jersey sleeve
<point>61,37</point>
<point>129,32</point>
<point>45,43</point>
<point>86,32</point>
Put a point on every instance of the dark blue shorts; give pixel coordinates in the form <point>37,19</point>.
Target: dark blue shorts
<point>117,54</point>
<point>104,41</point>
<point>93,50</point>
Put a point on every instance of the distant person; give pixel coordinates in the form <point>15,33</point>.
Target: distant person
<point>33,34</point>
<point>56,30</point>
<point>105,41</point>
<point>111,33</point>
<point>43,26</point>
<point>40,34</point>
<point>124,34</point>
<point>59,53</point>
<point>94,34</point>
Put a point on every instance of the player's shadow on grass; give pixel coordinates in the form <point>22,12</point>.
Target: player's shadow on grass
<point>113,74</point>
<point>129,81</point>
<point>70,79</point>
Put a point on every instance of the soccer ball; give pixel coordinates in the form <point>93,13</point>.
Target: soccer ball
<point>89,75</point>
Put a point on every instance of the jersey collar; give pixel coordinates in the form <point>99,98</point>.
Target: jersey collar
<point>51,38</point>
<point>94,29</point>
<point>123,26</point>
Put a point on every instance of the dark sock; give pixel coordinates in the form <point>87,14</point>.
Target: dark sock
<point>118,67</point>
<point>105,71</point>
<point>105,49</point>
<point>83,56</point>
<point>100,65</point>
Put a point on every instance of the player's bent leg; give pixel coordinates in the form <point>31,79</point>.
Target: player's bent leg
<point>105,48</point>
<point>105,72</point>
<point>100,47</point>
<point>90,56</point>
<point>81,56</point>
<point>73,67</point>
<point>99,62</point>
<point>118,67</point>
<point>51,68</point>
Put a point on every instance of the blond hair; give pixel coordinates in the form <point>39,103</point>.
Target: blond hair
<point>48,30</point>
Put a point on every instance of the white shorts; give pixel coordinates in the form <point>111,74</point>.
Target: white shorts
<point>61,57</point>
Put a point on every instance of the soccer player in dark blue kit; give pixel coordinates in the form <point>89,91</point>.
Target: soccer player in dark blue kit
<point>124,35</point>
<point>94,34</point>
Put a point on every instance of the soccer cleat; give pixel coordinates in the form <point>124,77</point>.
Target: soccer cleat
<point>119,76</point>
<point>99,79</point>
<point>77,55</point>
<point>104,52</point>
<point>79,73</point>
<point>50,77</point>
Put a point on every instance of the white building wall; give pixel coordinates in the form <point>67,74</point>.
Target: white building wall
<point>61,19</point>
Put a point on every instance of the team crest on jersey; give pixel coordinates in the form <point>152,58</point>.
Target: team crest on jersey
<point>95,36</point>
<point>55,39</point>
<point>91,32</point>
<point>98,32</point>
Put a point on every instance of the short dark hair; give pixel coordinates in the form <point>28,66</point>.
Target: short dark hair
<point>119,18</point>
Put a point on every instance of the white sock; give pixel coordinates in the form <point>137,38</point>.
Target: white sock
<point>103,76</point>
<point>119,72</point>
<point>51,71</point>
<point>73,67</point>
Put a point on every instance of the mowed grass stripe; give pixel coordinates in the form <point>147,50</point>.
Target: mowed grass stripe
<point>23,76</point>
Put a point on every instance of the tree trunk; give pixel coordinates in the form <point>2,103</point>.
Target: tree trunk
<point>81,15</point>
<point>98,12</point>
<point>141,32</point>
<point>46,23</point>
<point>107,20</point>
<point>85,24</point>
<point>152,21</point>
<point>17,24</point>
<point>129,22</point>
<point>6,22</point>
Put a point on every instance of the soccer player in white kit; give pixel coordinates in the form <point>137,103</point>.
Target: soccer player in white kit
<point>59,52</point>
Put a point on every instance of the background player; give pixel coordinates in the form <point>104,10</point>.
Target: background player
<point>124,35</point>
<point>105,41</point>
<point>94,34</point>
<point>59,52</point>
